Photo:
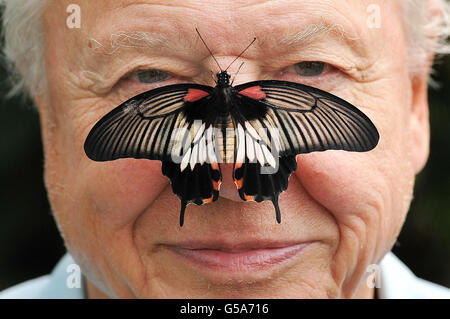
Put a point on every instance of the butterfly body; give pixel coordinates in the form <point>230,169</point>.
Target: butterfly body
<point>258,126</point>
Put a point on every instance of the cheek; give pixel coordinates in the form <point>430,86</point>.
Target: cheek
<point>342,182</point>
<point>99,204</point>
<point>121,190</point>
<point>356,193</point>
<point>367,193</point>
<point>110,195</point>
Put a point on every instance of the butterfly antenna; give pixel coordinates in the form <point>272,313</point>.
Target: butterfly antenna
<point>208,49</point>
<point>213,77</point>
<point>235,75</point>
<point>248,46</point>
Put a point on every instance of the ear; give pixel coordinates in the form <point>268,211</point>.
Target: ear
<point>419,124</point>
<point>419,121</point>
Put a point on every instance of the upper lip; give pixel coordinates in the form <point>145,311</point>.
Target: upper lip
<point>234,247</point>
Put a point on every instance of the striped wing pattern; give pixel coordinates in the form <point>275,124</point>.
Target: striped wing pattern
<point>142,127</point>
<point>302,119</point>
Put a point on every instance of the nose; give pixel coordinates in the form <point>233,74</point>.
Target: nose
<point>228,188</point>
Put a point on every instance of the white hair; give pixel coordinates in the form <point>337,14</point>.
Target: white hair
<point>24,46</point>
<point>426,23</point>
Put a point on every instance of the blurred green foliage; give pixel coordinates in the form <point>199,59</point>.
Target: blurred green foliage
<point>30,244</point>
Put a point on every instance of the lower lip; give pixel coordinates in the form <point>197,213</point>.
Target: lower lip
<point>242,261</point>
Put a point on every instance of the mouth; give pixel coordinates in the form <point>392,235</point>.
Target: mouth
<point>241,258</point>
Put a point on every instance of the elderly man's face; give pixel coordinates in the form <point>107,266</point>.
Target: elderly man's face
<point>119,219</point>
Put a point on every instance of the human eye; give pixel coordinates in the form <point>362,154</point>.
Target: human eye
<point>314,73</point>
<point>150,76</point>
<point>311,68</point>
<point>142,79</point>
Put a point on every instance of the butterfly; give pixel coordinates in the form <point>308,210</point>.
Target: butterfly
<point>259,127</point>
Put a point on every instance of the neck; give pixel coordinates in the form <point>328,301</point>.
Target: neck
<point>93,292</point>
<point>364,292</point>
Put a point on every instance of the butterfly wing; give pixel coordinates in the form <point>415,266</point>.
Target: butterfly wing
<point>307,119</point>
<point>196,176</point>
<point>160,124</point>
<point>143,126</point>
<point>277,120</point>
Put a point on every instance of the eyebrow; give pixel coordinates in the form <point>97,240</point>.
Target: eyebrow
<point>314,31</point>
<point>122,39</point>
<point>151,42</point>
<point>294,36</point>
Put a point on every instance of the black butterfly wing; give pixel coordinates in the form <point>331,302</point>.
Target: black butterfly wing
<point>277,120</point>
<point>143,126</point>
<point>160,124</point>
<point>306,119</point>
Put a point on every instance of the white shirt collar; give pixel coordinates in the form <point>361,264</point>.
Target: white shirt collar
<point>397,281</point>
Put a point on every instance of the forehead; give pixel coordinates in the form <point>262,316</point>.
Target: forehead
<point>234,21</point>
<point>286,32</point>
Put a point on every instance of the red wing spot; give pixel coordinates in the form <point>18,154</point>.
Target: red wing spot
<point>195,95</point>
<point>254,92</point>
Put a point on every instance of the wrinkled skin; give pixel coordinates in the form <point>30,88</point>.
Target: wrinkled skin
<point>349,207</point>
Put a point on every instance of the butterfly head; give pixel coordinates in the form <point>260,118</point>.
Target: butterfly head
<point>223,79</point>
